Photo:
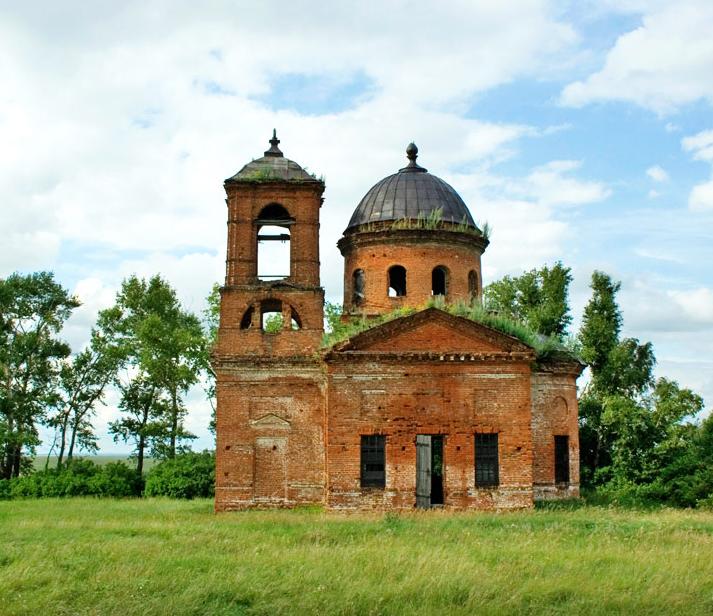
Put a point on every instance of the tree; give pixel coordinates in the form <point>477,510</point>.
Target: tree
<point>538,298</point>
<point>621,373</point>
<point>655,453</point>
<point>211,323</point>
<point>144,418</point>
<point>601,324</point>
<point>164,348</point>
<point>82,383</point>
<point>33,309</point>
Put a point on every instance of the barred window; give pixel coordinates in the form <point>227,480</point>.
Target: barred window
<point>373,461</point>
<point>486,460</point>
<point>561,459</point>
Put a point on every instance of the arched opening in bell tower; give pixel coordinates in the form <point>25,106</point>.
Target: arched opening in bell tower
<point>273,242</point>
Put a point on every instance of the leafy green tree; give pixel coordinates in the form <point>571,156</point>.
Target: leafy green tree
<point>333,317</point>
<point>648,434</point>
<point>621,374</point>
<point>83,381</point>
<point>211,323</point>
<point>164,350</point>
<point>33,309</point>
<point>273,323</point>
<point>688,480</point>
<point>144,418</point>
<point>539,298</point>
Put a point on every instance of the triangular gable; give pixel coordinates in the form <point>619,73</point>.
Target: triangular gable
<point>270,421</point>
<point>433,330</point>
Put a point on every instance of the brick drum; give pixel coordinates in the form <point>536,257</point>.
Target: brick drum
<point>293,415</point>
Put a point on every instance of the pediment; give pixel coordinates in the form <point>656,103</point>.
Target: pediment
<point>270,421</point>
<point>433,331</point>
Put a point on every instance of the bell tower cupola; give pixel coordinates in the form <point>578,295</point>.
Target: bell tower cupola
<point>272,301</point>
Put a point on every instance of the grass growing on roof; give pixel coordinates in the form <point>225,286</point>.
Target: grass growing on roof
<point>543,346</point>
<point>344,331</point>
<point>157,556</point>
<point>431,222</point>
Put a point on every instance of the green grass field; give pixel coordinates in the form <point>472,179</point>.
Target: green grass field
<point>85,556</point>
<point>40,461</point>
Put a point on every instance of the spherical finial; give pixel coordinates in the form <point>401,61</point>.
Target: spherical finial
<point>412,152</point>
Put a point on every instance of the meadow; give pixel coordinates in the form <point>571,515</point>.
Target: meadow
<point>42,460</point>
<point>155,556</point>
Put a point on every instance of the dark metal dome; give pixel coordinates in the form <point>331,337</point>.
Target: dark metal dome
<point>411,193</point>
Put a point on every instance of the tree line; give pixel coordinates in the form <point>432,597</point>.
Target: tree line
<point>146,345</point>
<point>640,437</point>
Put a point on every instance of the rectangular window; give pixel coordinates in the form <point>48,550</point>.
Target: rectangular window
<point>373,461</point>
<point>561,459</point>
<point>486,460</point>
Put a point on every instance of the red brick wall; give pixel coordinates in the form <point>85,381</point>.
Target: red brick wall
<point>554,412</point>
<point>235,301</point>
<point>417,251</point>
<point>245,201</point>
<point>270,445</point>
<point>401,399</point>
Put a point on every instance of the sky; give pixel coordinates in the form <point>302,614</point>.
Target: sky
<point>580,131</point>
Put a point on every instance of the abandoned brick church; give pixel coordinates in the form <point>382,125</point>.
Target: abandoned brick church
<point>421,410</point>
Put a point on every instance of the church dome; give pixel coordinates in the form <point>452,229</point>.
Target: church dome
<point>411,193</point>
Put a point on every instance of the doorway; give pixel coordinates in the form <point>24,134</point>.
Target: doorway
<point>429,470</point>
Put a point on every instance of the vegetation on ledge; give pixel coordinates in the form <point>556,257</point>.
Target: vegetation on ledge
<point>266,175</point>
<point>544,346</point>
<point>433,222</point>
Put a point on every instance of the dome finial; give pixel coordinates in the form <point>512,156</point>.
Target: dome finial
<point>412,152</point>
<point>274,150</point>
<point>412,155</point>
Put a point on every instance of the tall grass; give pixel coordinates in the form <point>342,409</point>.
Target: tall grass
<point>167,557</point>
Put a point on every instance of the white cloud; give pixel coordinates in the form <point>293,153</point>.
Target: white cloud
<point>523,213</point>
<point>649,305</point>
<point>696,304</point>
<point>661,65</point>
<point>657,173</point>
<point>550,185</point>
<point>701,197</point>
<point>700,146</point>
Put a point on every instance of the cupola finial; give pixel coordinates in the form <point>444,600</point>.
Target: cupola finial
<point>412,152</point>
<point>412,155</point>
<point>274,150</point>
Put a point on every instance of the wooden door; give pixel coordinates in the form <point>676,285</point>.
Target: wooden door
<point>423,471</point>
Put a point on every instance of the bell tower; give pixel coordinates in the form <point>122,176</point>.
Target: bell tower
<point>269,378</point>
<point>272,302</point>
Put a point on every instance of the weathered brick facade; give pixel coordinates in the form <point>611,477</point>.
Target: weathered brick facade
<point>292,417</point>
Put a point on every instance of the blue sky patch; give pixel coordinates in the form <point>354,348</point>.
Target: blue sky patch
<point>317,94</point>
